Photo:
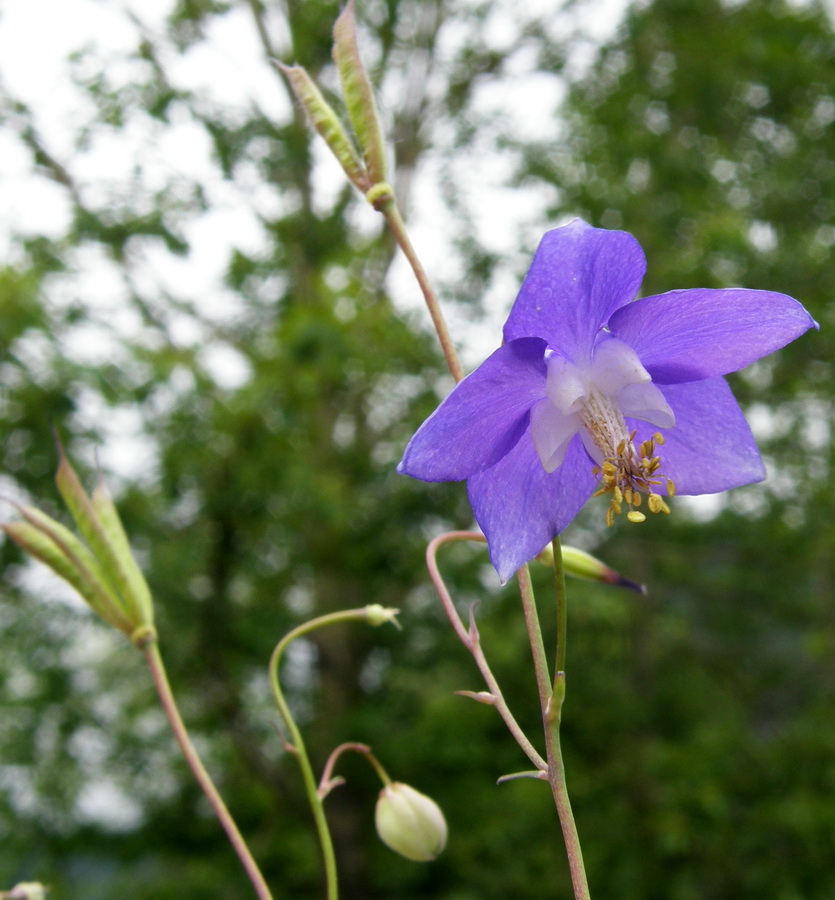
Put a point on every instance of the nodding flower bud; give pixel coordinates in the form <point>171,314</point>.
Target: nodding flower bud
<point>25,890</point>
<point>410,823</point>
<point>583,565</point>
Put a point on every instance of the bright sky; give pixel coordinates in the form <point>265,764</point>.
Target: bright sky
<point>230,68</point>
<point>36,38</point>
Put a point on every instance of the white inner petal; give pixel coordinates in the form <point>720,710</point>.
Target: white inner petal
<point>593,399</point>
<point>646,402</point>
<point>616,365</point>
<point>566,386</point>
<point>552,432</point>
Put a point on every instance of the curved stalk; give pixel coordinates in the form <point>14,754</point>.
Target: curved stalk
<point>470,639</point>
<point>297,742</point>
<point>552,717</point>
<point>150,648</point>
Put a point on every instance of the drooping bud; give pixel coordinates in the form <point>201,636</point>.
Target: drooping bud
<point>323,118</point>
<point>359,94</point>
<point>583,565</point>
<point>410,823</point>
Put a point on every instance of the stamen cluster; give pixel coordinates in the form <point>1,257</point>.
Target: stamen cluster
<point>628,474</point>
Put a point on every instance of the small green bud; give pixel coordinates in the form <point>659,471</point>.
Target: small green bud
<point>410,823</point>
<point>359,94</point>
<point>381,615</point>
<point>583,565</point>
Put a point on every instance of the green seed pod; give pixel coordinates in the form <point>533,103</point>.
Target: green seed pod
<point>132,582</point>
<point>359,94</point>
<point>410,823</point>
<point>57,547</point>
<point>323,118</point>
<point>99,523</point>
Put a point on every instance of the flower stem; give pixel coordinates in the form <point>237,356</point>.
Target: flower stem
<point>388,207</point>
<point>552,716</point>
<point>540,660</point>
<point>470,639</point>
<point>150,648</point>
<point>297,743</point>
<point>327,782</point>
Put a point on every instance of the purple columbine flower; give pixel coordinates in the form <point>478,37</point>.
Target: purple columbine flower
<point>593,392</point>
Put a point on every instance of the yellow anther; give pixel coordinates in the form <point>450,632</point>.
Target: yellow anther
<point>658,438</point>
<point>654,503</point>
<point>610,517</point>
<point>671,488</point>
<point>634,516</point>
<point>636,498</point>
<point>617,495</point>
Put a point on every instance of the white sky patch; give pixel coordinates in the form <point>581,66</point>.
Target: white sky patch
<point>229,69</point>
<point>101,801</point>
<point>229,368</point>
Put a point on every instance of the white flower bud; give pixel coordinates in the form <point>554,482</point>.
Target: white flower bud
<point>409,822</point>
<point>25,890</point>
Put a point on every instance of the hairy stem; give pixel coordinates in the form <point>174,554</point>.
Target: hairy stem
<point>388,207</point>
<point>470,639</point>
<point>150,648</point>
<point>552,717</point>
<point>540,659</point>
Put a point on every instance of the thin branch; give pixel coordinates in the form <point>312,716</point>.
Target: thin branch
<point>470,639</point>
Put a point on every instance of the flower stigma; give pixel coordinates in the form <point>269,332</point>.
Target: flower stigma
<point>593,400</point>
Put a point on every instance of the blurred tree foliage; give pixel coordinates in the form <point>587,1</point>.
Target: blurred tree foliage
<point>699,731</point>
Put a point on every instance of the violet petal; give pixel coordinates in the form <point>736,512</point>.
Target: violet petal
<point>711,448</point>
<point>689,335</point>
<point>483,417</point>
<point>521,508</point>
<point>579,276</point>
